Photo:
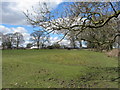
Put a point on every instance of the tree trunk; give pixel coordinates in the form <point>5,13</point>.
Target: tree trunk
<point>80,43</point>
<point>17,45</point>
<point>38,46</point>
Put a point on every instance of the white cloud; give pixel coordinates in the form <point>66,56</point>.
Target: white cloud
<point>56,39</point>
<point>19,29</point>
<point>12,10</point>
<point>21,5</point>
<point>4,29</point>
<point>65,42</point>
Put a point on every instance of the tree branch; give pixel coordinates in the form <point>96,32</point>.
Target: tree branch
<point>105,21</point>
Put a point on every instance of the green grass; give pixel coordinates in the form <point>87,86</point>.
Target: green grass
<point>58,69</point>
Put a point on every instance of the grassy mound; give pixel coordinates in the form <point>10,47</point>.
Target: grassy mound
<point>113,53</point>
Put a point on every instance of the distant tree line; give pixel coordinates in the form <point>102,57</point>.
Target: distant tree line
<point>12,40</point>
<point>97,39</point>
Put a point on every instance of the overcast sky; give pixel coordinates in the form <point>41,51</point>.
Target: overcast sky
<point>12,12</point>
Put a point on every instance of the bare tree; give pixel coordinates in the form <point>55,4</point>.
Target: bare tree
<point>39,38</point>
<point>77,16</point>
<point>19,39</point>
<point>8,40</point>
<point>101,38</point>
<point>93,13</point>
<point>71,36</point>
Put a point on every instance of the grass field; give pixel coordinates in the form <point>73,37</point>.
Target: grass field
<point>58,69</point>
